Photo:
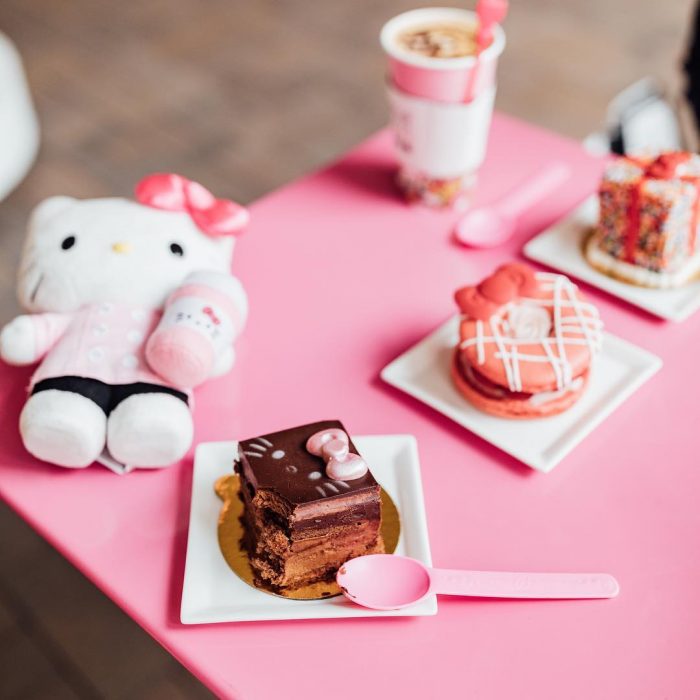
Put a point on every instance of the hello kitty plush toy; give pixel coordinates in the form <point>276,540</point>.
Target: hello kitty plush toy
<point>131,304</point>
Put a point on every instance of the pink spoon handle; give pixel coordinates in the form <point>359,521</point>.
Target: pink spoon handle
<point>534,190</point>
<point>503,584</point>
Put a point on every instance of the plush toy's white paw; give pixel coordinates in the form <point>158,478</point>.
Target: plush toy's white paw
<point>63,428</point>
<point>17,341</point>
<point>149,430</point>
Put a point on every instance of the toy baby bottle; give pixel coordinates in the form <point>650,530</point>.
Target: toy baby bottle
<point>195,336</point>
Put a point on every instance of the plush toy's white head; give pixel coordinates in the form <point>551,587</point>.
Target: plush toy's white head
<point>83,251</point>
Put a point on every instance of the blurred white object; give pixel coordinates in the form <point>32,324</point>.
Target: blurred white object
<point>639,121</point>
<point>19,127</point>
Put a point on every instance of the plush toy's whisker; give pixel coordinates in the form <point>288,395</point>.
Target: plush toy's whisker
<point>35,291</point>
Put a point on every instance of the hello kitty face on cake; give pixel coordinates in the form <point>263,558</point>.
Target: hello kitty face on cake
<point>306,463</point>
<point>112,249</point>
<point>312,477</point>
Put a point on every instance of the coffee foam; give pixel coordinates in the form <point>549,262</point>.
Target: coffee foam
<point>439,39</point>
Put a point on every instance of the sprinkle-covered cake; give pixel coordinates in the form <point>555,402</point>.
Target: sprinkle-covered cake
<point>310,504</point>
<point>647,231</point>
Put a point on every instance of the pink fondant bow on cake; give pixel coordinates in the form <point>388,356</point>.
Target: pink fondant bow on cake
<point>215,217</point>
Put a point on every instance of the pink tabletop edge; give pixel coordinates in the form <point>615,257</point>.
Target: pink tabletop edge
<point>343,277</point>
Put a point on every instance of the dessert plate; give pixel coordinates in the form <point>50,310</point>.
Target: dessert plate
<point>561,247</point>
<point>541,443</point>
<point>213,593</point>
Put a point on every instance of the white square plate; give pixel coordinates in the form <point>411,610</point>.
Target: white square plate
<point>560,248</point>
<point>620,369</point>
<point>213,593</point>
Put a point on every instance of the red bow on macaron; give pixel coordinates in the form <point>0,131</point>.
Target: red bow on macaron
<point>506,284</point>
<point>215,217</point>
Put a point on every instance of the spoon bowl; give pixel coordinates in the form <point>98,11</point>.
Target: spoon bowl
<point>492,225</point>
<point>485,227</point>
<point>384,581</point>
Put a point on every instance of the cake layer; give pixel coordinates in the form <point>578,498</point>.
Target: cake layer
<point>325,556</point>
<point>492,390</point>
<point>266,522</point>
<point>312,520</point>
<point>304,571</point>
<point>513,404</point>
<point>642,276</point>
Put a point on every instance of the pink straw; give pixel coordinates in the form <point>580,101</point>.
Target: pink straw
<point>490,13</point>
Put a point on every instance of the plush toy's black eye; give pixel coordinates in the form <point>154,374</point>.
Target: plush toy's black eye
<point>177,249</point>
<point>68,242</point>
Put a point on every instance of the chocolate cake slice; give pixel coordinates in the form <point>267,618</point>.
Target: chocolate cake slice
<point>300,524</point>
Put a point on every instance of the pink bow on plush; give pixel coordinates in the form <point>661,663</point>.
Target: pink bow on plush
<point>215,217</point>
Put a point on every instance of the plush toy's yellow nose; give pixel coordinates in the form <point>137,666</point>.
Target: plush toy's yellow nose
<point>121,247</point>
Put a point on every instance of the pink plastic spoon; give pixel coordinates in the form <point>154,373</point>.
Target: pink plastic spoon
<point>390,582</point>
<point>492,225</point>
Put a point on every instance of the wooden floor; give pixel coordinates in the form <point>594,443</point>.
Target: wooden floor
<point>243,96</point>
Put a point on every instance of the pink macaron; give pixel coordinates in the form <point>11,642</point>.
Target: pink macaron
<point>527,343</point>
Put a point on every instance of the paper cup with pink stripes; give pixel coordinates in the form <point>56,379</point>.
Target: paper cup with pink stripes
<point>441,108</point>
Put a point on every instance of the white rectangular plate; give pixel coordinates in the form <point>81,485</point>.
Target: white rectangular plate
<point>213,593</point>
<point>620,369</point>
<point>560,248</point>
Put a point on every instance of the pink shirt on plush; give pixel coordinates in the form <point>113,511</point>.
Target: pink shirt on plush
<point>102,341</point>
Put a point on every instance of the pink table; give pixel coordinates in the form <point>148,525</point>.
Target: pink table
<point>342,278</point>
